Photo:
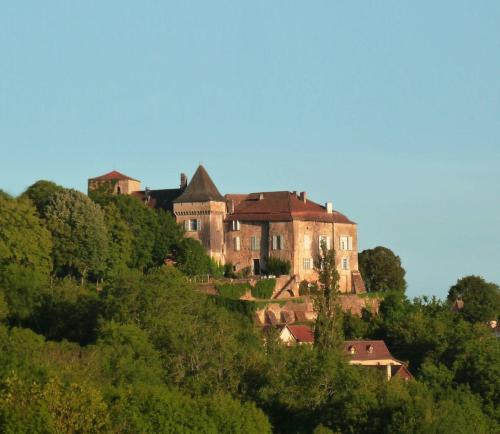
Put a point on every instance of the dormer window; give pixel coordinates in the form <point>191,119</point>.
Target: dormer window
<point>369,349</point>
<point>236,225</point>
<point>351,349</point>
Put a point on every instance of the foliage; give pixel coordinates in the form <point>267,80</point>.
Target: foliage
<point>264,288</point>
<point>79,233</point>
<point>308,288</point>
<point>233,290</point>
<point>381,270</point>
<point>41,193</point>
<point>328,327</point>
<point>168,236</point>
<point>481,299</point>
<point>193,260</point>
<point>25,255</point>
<point>277,267</point>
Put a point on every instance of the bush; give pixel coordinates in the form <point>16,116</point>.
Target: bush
<point>233,290</point>
<point>229,270</point>
<point>264,288</point>
<point>277,266</point>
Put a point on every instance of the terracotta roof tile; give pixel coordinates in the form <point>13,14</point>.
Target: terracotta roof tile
<point>113,176</point>
<point>360,350</point>
<point>280,206</point>
<point>301,333</point>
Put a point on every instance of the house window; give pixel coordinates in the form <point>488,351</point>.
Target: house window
<point>255,243</point>
<point>237,244</point>
<point>345,263</point>
<point>278,242</point>
<point>192,225</point>
<point>307,242</point>
<point>345,243</point>
<point>236,225</point>
<point>307,263</point>
<point>324,239</point>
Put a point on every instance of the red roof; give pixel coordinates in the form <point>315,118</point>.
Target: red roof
<point>113,176</point>
<point>280,206</point>
<point>301,333</point>
<point>367,350</point>
<point>401,371</point>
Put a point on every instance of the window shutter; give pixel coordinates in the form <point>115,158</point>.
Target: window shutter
<point>349,243</point>
<point>237,245</point>
<point>238,225</point>
<point>186,225</point>
<point>198,225</point>
<point>275,242</point>
<point>328,243</point>
<point>282,242</point>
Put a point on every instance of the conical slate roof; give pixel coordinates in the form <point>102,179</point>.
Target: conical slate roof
<point>200,189</point>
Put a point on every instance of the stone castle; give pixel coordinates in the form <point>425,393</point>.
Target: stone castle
<point>246,229</point>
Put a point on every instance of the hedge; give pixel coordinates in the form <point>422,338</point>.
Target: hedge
<point>264,288</point>
<point>233,290</point>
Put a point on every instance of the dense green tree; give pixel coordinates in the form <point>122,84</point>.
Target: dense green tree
<point>120,241</point>
<point>142,223</point>
<point>192,258</point>
<point>79,234</point>
<point>168,236</point>
<point>328,327</point>
<point>25,255</point>
<point>41,193</point>
<point>481,298</point>
<point>381,270</point>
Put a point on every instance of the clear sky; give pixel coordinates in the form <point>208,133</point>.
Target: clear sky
<point>391,109</point>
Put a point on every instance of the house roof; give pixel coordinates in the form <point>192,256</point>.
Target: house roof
<point>367,350</point>
<point>162,199</point>
<point>280,206</point>
<point>113,176</point>
<point>401,371</point>
<point>301,333</point>
<point>200,189</point>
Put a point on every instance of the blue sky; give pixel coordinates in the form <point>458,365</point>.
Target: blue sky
<point>391,109</point>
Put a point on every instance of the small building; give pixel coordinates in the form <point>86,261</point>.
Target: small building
<point>296,334</point>
<point>375,354</point>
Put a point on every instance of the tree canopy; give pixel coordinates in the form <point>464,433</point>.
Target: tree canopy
<point>481,298</point>
<point>381,270</point>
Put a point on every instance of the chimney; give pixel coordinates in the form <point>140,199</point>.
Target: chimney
<point>184,180</point>
<point>329,207</point>
<point>261,196</point>
<point>147,194</point>
<point>303,196</point>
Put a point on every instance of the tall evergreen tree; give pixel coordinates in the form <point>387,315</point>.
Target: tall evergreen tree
<point>328,329</point>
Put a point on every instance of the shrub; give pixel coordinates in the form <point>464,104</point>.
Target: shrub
<point>264,288</point>
<point>229,270</point>
<point>277,266</point>
<point>308,288</point>
<point>233,290</point>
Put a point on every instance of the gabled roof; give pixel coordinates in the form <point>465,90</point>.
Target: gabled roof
<point>113,176</point>
<point>200,189</point>
<point>301,333</point>
<point>280,206</point>
<point>367,350</point>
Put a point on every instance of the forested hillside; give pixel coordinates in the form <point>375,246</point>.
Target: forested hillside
<point>98,335</point>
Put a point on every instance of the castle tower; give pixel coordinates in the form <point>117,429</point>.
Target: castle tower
<point>201,209</point>
<point>114,182</point>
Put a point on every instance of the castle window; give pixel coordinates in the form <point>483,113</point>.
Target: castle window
<point>307,263</point>
<point>324,239</point>
<point>278,242</point>
<point>192,225</point>
<point>237,244</point>
<point>236,225</point>
<point>255,243</point>
<point>345,263</point>
<point>345,243</point>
